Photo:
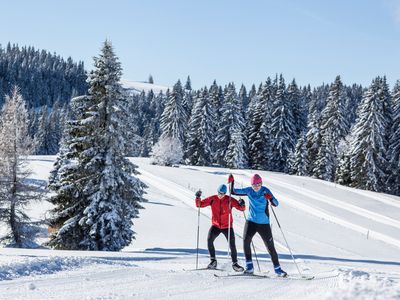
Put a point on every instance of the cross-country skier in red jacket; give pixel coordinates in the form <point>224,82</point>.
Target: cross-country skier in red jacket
<point>221,208</point>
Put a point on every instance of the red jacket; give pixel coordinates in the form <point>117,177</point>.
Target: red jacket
<point>220,209</point>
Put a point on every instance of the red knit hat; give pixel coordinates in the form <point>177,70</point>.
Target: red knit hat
<point>256,179</point>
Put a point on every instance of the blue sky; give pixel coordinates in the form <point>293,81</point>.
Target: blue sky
<point>239,41</point>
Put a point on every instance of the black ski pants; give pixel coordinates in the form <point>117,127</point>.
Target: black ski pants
<point>213,233</point>
<point>264,230</point>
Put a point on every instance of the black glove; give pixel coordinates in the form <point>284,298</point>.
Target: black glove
<point>198,194</point>
<point>241,202</point>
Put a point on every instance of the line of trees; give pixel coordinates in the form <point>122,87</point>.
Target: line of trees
<point>334,132</point>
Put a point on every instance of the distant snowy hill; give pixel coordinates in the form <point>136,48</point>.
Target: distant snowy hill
<point>348,238</point>
<point>138,87</point>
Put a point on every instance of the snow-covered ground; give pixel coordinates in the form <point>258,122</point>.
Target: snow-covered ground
<point>349,239</point>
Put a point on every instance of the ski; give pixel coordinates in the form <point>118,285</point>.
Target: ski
<point>203,269</point>
<point>242,275</point>
<point>288,277</point>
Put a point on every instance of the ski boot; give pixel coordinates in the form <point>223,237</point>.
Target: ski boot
<point>249,268</point>
<point>237,267</point>
<point>279,272</point>
<point>213,264</point>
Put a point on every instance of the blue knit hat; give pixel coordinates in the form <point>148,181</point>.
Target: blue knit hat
<point>222,189</point>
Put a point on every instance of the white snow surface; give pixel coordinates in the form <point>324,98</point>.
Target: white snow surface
<point>138,87</point>
<point>348,239</point>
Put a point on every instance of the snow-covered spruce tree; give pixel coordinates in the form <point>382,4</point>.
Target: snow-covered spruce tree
<point>15,190</point>
<point>283,130</point>
<point>187,101</point>
<point>368,149</point>
<point>66,181</point>
<point>334,128</point>
<point>230,137</point>
<point>299,162</point>
<point>257,128</point>
<point>188,84</point>
<point>49,131</point>
<point>243,98</point>
<point>174,118</point>
<point>98,196</point>
<point>236,153</point>
<point>313,135</point>
<point>393,182</point>
<point>298,107</point>
<point>200,132</point>
<point>139,117</point>
<point>353,98</point>
<point>42,146</point>
<point>252,93</point>
<point>215,98</point>
<point>67,154</point>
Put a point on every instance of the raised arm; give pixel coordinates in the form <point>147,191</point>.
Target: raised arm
<point>235,191</point>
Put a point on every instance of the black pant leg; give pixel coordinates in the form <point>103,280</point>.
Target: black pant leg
<point>213,233</point>
<point>232,244</point>
<point>250,230</point>
<point>266,234</point>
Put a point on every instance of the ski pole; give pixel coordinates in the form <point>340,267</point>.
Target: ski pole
<point>229,223</point>
<point>198,232</point>
<point>279,225</point>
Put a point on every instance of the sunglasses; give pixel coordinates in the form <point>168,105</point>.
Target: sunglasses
<point>257,184</point>
<point>221,194</point>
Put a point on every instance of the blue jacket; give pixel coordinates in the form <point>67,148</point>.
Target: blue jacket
<point>257,203</point>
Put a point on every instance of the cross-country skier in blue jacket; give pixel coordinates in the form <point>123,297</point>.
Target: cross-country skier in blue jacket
<point>258,220</point>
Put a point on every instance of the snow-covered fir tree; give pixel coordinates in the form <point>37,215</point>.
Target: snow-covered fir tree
<point>313,135</point>
<point>298,107</point>
<point>15,190</point>
<point>257,129</point>
<point>368,149</point>
<point>188,84</point>
<point>283,130</point>
<point>243,97</point>
<point>187,102</point>
<point>98,196</point>
<point>174,118</point>
<point>236,157</point>
<point>252,92</point>
<point>48,133</point>
<point>352,102</point>
<point>393,182</point>
<point>298,163</point>
<point>200,131</point>
<point>333,129</point>
<point>230,134</point>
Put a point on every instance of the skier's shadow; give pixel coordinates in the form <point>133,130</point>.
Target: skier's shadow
<point>191,251</point>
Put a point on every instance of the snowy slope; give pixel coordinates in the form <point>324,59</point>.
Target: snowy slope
<point>348,238</point>
<point>138,87</point>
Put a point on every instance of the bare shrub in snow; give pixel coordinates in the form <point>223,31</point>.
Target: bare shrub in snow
<point>167,151</point>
